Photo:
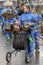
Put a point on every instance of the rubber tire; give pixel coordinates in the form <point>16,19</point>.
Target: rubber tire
<point>27,59</point>
<point>8,53</point>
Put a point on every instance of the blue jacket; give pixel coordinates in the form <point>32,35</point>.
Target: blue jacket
<point>27,17</point>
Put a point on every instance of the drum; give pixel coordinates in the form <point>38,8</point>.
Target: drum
<point>16,26</point>
<point>7,26</point>
<point>26,26</point>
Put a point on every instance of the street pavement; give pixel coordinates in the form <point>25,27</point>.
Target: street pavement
<point>20,58</point>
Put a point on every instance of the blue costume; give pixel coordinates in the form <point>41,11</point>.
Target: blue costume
<point>11,21</point>
<point>37,21</point>
<point>28,17</point>
<point>37,33</point>
<point>8,34</point>
<point>3,25</point>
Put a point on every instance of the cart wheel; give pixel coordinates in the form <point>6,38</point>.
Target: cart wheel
<point>8,57</point>
<point>27,58</point>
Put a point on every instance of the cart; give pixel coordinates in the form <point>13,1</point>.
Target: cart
<point>19,43</point>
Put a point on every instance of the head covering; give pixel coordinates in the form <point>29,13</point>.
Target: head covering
<point>27,4</point>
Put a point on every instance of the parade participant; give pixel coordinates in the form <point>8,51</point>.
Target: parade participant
<point>4,10</point>
<point>27,16</point>
<point>20,9</point>
<point>9,22</point>
<point>37,33</point>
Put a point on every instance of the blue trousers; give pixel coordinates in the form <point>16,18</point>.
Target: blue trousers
<point>36,38</point>
<point>3,27</point>
<point>8,35</point>
<point>29,47</point>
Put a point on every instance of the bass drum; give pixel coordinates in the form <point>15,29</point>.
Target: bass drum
<point>19,41</point>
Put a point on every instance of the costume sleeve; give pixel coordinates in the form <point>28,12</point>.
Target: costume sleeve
<point>22,19</point>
